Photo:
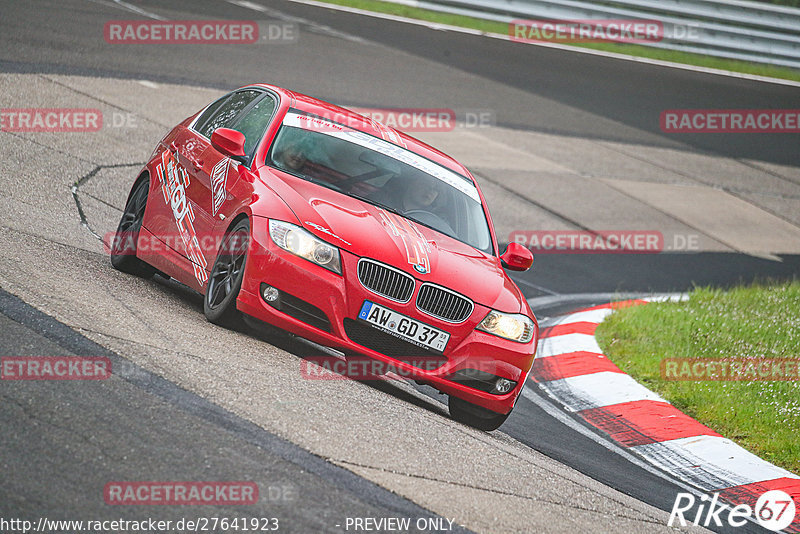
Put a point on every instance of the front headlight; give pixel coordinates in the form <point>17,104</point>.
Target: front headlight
<point>515,327</point>
<point>303,243</point>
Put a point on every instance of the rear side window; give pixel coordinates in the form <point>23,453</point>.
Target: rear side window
<point>222,113</point>
<point>210,110</point>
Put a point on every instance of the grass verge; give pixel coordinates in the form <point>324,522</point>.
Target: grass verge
<point>488,26</point>
<point>757,321</point>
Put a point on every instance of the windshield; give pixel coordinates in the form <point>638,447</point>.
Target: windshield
<point>381,173</point>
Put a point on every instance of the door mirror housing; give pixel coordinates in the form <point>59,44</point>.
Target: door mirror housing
<point>517,258</point>
<point>229,142</point>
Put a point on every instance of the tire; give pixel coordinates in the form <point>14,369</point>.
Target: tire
<point>123,246</point>
<point>267,332</point>
<point>225,281</point>
<point>475,416</point>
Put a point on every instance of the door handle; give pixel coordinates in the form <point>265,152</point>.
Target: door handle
<point>197,164</point>
<point>173,146</point>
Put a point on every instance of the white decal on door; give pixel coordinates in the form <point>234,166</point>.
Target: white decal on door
<point>219,178</point>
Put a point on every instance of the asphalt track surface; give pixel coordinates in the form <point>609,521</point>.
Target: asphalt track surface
<point>140,427</point>
<point>146,422</point>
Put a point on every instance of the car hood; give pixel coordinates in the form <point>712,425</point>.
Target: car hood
<point>369,231</point>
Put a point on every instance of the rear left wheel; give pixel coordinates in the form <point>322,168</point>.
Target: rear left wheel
<point>123,246</point>
<point>225,281</point>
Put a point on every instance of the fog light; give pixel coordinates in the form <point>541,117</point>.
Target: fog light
<point>503,385</point>
<point>269,293</point>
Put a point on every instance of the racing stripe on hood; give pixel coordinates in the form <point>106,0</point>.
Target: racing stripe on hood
<point>417,247</point>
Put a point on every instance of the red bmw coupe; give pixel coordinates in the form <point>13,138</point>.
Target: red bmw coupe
<point>338,229</point>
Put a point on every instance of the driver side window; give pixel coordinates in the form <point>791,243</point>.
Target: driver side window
<point>255,121</point>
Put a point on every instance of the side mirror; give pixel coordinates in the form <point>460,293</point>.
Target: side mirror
<point>229,142</point>
<point>517,258</point>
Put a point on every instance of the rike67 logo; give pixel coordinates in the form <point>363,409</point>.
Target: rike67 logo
<point>774,510</point>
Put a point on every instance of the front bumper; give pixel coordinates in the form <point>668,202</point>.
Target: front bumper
<point>340,299</point>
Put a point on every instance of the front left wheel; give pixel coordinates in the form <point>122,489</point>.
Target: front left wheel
<point>474,415</point>
<point>225,281</point>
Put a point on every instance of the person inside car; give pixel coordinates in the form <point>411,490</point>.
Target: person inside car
<point>292,155</point>
<point>408,193</point>
<point>420,194</point>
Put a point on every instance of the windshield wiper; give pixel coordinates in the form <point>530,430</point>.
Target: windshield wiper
<point>401,214</point>
<point>375,203</point>
<point>428,225</point>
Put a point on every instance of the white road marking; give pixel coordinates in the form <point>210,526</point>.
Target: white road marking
<point>680,297</point>
<point>129,7</point>
<point>588,316</point>
<point>138,10</point>
<point>599,298</point>
<point>249,5</point>
<point>534,286</point>
<point>612,446</point>
<point>319,28</point>
<point>712,462</point>
<point>553,346</point>
<point>596,390</point>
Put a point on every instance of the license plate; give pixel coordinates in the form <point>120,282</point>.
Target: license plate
<point>404,327</point>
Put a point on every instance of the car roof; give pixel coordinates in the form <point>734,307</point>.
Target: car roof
<point>359,122</point>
